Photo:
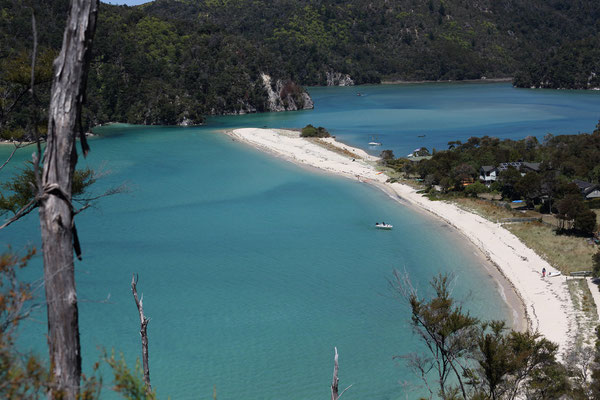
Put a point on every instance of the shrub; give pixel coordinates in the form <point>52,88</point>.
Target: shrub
<point>475,188</point>
<point>311,131</point>
<point>596,264</point>
<point>387,157</point>
<point>585,222</point>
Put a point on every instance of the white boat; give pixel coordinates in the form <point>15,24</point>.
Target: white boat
<point>374,141</point>
<point>383,226</point>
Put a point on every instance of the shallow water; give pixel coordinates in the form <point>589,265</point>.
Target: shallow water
<point>252,268</point>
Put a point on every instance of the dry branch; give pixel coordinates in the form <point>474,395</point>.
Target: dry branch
<point>29,207</point>
<point>143,332</point>
<point>17,147</point>
<point>335,381</point>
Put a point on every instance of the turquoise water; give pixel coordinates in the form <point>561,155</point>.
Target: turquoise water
<point>398,114</point>
<point>252,268</point>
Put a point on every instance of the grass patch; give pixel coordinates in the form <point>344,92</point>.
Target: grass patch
<point>412,183</point>
<point>334,148</point>
<point>585,311</point>
<point>485,208</point>
<point>566,253</point>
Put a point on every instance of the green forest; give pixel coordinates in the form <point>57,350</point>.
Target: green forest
<point>177,61</point>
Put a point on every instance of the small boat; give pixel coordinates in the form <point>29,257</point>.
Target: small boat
<point>383,225</point>
<point>374,141</point>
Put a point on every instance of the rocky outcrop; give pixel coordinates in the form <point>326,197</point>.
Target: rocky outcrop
<point>185,122</point>
<point>285,95</point>
<point>338,79</point>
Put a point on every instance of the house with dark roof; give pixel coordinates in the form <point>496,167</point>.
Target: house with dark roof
<point>522,167</point>
<point>588,190</point>
<point>488,174</point>
<point>529,167</point>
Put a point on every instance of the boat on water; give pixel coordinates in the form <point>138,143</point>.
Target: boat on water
<point>374,141</point>
<point>383,225</point>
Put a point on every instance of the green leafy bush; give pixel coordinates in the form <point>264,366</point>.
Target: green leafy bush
<point>476,188</point>
<point>311,131</point>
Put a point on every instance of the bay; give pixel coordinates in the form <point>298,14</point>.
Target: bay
<point>409,116</point>
<point>253,269</point>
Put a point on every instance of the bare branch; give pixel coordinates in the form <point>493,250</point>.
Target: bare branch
<point>85,207</point>
<point>34,52</point>
<point>143,332</point>
<point>29,207</point>
<point>109,192</point>
<point>17,147</point>
<point>421,366</point>
<point>335,380</point>
<point>344,391</point>
<point>9,109</point>
<point>34,117</point>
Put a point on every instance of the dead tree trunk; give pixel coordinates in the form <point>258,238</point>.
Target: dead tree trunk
<point>56,212</point>
<point>335,381</point>
<point>143,332</point>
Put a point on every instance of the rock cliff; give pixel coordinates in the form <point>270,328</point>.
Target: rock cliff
<point>285,95</point>
<point>338,79</point>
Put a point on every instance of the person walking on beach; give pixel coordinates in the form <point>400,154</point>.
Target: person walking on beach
<point>543,272</point>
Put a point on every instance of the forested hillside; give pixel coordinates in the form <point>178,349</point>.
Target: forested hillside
<point>173,61</point>
<point>573,65</point>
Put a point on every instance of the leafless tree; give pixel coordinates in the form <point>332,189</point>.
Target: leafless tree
<point>59,236</point>
<point>143,332</point>
<point>335,380</point>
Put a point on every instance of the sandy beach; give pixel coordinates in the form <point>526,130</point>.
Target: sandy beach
<point>546,301</point>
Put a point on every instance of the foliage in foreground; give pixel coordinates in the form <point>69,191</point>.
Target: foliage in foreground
<point>129,384</point>
<point>471,359</point>
<point>23,376</point>
<point>22,188</point>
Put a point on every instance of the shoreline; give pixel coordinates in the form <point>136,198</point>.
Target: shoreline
<point>480,80</point>
<point>519,318</point>
<point>544,304</point>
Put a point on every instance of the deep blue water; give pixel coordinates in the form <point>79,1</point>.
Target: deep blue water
<point>252,268</point>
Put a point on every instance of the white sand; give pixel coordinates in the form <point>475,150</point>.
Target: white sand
<point>547,301</point>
